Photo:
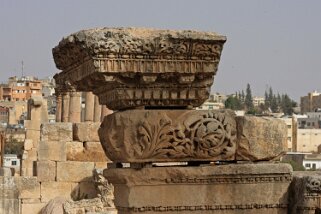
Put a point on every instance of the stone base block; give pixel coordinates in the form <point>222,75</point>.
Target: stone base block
<point>228,189</point>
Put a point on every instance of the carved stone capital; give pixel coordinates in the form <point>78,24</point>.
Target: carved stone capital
<point>133,67</point>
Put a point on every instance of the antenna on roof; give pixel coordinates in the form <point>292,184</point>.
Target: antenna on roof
<point>21,68</point>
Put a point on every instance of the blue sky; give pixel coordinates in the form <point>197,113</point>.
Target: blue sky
<point>270,43</point>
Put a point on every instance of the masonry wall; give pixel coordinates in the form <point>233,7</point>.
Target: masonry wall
<point>62,164</point>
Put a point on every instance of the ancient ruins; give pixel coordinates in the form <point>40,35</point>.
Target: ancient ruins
<point>155,153</point>
<point>153,79</point>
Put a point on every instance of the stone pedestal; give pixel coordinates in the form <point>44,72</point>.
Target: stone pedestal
<point>228,189</point>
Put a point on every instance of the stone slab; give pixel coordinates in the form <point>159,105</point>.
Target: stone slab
<point>169,135</point>
<point>260,138</point>
<point>86,131</point>
<point>46,170</point>
<point>74,171</point>
<point>29,187</point>
<point>52,150</point>
<point>53,189</point>
<point>85,151</point>
<point>228,189</point>
<point>34,208</point>
<point>56,132</point>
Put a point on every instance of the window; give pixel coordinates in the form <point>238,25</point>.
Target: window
<point>308,165</point>
<point>314,166</point>
<point>13,163</point>
<point>289,139</point>
<point>289,126</point>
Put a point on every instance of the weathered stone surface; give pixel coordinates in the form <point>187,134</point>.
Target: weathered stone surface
<point>5,171</point>
<point>52,189</point>
<point>87,131</point>
<point>56,132</point>
<point>131,67</point>
<point>28,144</point>
<point>260,138</point>
<point>87,151</point>
<point>74,171</point>
<point>169,135</point>
<point>29,187</point>
<point>234,188</point>
<point>34,208</point>
<point>54,206</point>
<point>46,170</point>
<point>52,150</point>
<point>84,190</point>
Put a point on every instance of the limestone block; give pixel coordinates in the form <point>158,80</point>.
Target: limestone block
<point>33,154</point>
<point>86,131</point>
<point>169,135</point>
<point>260,138</point>
<point>28,144</point>
<point>94,152</point>
<point>74,171</point>
<point>46,170</point>
<point>87,151</point>
<point>34,208</point>
<point>101,165</point>
<point>29,187</point>
<point>52,150</point>
<point>28,167</point>
<point>53,189</point>
<point>74,150</point>
<point>228,189</point>
<point>56,132</point>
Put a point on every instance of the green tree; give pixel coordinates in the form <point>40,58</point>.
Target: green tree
<point>248,98</point>
<point>232,102</point>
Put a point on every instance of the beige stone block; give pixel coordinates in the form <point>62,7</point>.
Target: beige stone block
<point>260,138</point>
<point>29,187</point>
<point>74,171</point>
<point>84,190</point>
<point>28,144</point>
<point>46,170</point>
<point>30,200</point>
<point>94,152</point>
<point>53,189</point>
<point>74,151</point>
<point>85,151</point>
<point>28,168</point>
<point>52,150</point>
<point>34,208</point>
<point>56,132</point>
<point>33,154</point>
<point>86,131</point>
<point>101,165</point>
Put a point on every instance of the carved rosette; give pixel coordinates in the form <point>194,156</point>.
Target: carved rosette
<point>169,135</point>
<point>132,67</point>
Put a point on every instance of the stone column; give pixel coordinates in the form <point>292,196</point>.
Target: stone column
<point>65,107</point>
<point>89,106</point>
<point>97,110</point>
<point>105,111</point>
<point>75,107</point>
<point>58,108</point>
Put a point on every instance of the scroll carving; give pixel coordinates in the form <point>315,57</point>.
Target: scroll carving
<point>164,136</point>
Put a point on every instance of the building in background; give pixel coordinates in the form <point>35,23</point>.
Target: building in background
<point>311,102</point>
